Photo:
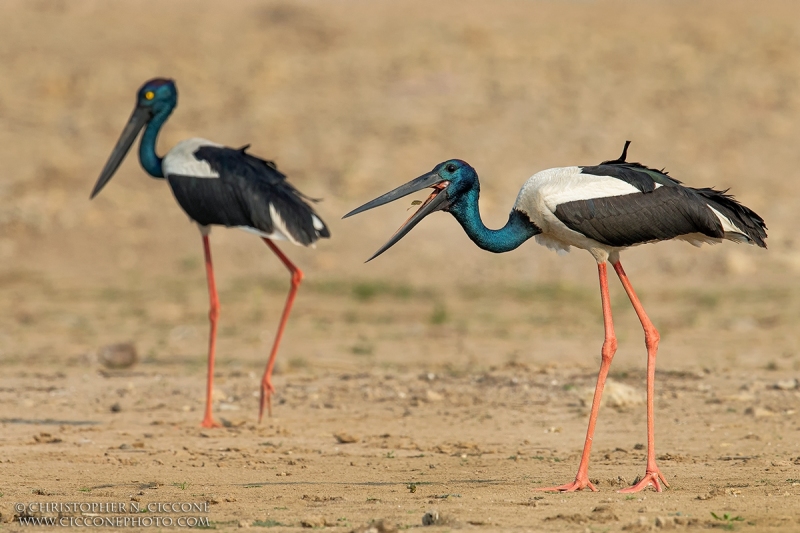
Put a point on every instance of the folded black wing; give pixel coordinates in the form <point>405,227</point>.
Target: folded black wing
<point>249,192</point>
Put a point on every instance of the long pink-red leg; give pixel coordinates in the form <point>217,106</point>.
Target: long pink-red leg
<point>607,353</point>
<point>213,315</point>
<point>266,382</point>
<point>653,475</point>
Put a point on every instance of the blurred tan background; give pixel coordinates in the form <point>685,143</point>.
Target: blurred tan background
<point>352,98</point>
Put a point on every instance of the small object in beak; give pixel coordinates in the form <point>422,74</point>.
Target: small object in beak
<point>435,202</point>
<point>415,202</point>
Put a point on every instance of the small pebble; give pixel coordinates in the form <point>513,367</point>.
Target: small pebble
<point>786,384</point>
<point>665,522</point>
<point>430,518</point>
<point>759,412</point>
<point>118,356</point>
<point>343,437</point>
<point>313,522</point>
<point>433,396</point>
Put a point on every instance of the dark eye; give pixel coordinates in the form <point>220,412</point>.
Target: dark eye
<point>450,168</point>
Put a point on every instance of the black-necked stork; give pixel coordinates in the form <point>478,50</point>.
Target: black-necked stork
<point>603,209</point>
<point>217,185</point>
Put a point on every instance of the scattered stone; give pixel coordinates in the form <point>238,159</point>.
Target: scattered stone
<point>345,438</point>
<point>759,412</point>
<point>665,522</point>
<point>244,523</point>
<point>379,526</point>
<point>603,514</point>
<point>125,446</point>
<point>618,481</point>
<point>787,384</point>
<point>741,397</point>
<point>754,387</point>
<point>118,356</point>
<point>574,518</point>
<point>433,396</point>
<point>678,458</point>
<point>641,524</point>
<point>318,498</point>
<point>617,395</point>
<point>738,457</point>
<point>431,518</point>
<point>116,408</point>
<point>46,438</point>
<point>313,521</point>
<point>600,514</point>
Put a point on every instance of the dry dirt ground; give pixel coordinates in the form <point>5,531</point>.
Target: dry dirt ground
<point>437,378</point>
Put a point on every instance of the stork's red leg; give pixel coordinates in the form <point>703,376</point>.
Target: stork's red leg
<point>607,353</point>
<point>653,475</point>
<point>213,314</point>
<point>266,382</point>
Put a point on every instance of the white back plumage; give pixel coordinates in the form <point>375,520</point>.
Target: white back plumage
<point>181,161</point>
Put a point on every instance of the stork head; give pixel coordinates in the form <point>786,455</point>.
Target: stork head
<point>157,97</point>
<point>449,180</point>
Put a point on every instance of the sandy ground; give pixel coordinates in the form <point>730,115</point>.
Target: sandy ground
<point>437,379</point>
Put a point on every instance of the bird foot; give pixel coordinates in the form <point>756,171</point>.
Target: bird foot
<point>651,477</point>
<point>580,483</point>
<point>266,398</point>
<point>209,422</point>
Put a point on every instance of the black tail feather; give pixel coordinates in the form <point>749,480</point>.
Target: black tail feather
<point>742,216</point>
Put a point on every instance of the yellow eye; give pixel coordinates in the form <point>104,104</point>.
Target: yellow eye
<point>149,95</point>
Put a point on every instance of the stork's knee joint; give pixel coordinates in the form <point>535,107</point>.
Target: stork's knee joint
<point>651,338</point>
<point>609,348</point>
<point>297,277</point>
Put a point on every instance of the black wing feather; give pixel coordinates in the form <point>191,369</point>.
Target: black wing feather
<point>243,193</point>
<point>656,213</point>
<point>665,213</point>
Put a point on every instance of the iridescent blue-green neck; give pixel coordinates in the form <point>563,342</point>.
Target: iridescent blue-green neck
<point>517,230</point>
<point>147,147</point>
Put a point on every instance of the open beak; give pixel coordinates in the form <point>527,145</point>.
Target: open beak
<point>139,118</point>
<point>435,202</point>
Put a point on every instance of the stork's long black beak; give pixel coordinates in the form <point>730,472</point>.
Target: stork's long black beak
<point>436,201</point>
<point>139,117</point>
